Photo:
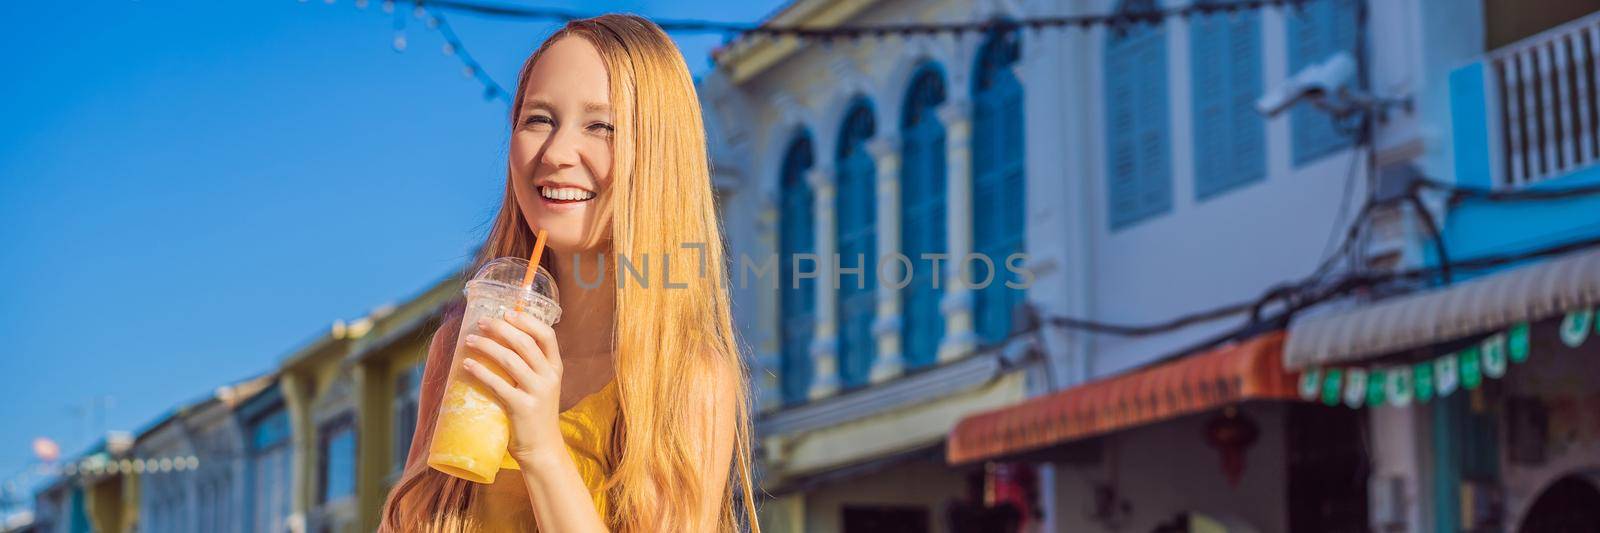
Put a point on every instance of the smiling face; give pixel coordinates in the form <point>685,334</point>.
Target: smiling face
<point>561,145</point>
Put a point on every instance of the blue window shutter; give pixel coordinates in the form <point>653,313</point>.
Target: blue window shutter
<point>922,225</point>
<point>855,206</point>
<point>1318,31</point>
<point>1155,143</point>
<point>1139,164</point>
<point>1207,46</point>
<point>1122,160</point>
<point>1230,137</point>
<point>998,195</point>
<point>797,232</point>
<point>1245,86</point>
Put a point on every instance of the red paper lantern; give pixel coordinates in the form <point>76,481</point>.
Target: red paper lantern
<point>1231,433</point>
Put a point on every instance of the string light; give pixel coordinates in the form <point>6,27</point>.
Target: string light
<point>431,11</point>
<point>1120,19</point>
<point>470,68</point>
<point>492,90</point>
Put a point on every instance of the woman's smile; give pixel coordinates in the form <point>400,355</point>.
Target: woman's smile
<point>562,198</point>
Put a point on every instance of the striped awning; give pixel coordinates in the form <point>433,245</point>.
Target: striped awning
<point>1475,307</point>
<point>1217,378</point>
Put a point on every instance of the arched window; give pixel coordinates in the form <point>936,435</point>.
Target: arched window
<point>1317,31</point>
<point>922,214</point>
<point>855,209</point>
<point>997,182</point>
<point>797,297</point>
<point>1230,139</point>
<point>1138,140</point>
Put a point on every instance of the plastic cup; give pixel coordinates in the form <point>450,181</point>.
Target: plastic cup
<point>471,433</point>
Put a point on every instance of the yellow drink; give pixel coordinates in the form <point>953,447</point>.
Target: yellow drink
<point>472,432</point>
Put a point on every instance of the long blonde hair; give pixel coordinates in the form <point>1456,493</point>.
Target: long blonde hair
<point>671,343</point>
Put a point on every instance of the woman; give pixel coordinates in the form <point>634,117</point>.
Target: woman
<point>629,414</point>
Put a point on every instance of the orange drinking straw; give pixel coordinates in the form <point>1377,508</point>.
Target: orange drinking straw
<point>533,266</point>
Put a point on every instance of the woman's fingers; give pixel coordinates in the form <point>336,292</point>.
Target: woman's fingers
<point>507,359</point>
<point>542,334</point>
<point>498,385</point>
<point>517,340</point>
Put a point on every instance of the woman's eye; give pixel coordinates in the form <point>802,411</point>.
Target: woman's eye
<point>602,128</point>
<point>537,119</point>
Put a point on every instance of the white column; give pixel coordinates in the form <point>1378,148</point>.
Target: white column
<point>825,342</point>
<point>956,305</point>
<point>767,379</point>
<point>885,150</point>
<point>297,399</point>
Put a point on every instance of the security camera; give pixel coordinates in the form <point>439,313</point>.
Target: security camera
<point>1318,83</point>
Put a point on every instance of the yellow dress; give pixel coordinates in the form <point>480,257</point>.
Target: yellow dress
<point>586,427</point>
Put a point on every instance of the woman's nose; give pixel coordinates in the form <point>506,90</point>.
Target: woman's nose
<point>561,149</point>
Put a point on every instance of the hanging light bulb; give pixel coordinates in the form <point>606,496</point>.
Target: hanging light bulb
<point>469,71</point>
<point>433,23</point>
<point>388,6</point>
<point>361,4</point>
<point>418,11</point>
<point>449,49</point>
<point>399,46</point>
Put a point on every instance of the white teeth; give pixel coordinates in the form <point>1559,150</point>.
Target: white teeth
<point>569,194</point>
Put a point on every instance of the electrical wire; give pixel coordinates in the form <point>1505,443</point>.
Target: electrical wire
<point>1119,19</point>
<point>433,10</point>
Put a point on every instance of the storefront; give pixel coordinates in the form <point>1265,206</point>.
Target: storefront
<point>1216,441</point>
<point>1484,396</point>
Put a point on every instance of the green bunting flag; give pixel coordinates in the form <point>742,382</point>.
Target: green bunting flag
<point>1575,327</point>
<point>1376,383</point>
<point>1355,387</point>
<point>1445,377</point>
<point>1400,388</point>
<point>1493,352</point>
<point>1518,343</point>
<point>1423,381</point>
<point>1330,386</point>
<point>1471,373</point>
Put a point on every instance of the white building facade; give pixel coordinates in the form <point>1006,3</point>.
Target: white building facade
<point>1125,162</point>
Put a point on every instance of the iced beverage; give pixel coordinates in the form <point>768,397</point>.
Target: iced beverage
<point>472,432</point>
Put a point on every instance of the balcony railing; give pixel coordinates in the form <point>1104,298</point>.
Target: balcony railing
<point>1542,93</point>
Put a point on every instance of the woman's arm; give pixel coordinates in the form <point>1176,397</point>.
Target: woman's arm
<point>556,490</point>
<point>718,462</point>
<point>561,501</point>
<point>525,348</point>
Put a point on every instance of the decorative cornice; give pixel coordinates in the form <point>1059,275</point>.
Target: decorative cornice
<point>896,393</point>
<point>883,145</point>
<point>820,177</point>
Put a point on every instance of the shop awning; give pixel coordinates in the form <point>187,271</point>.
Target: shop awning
<point>1230,374</point>
<point>1475,307</point>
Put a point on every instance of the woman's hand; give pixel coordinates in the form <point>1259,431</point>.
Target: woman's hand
<point>525,349</point>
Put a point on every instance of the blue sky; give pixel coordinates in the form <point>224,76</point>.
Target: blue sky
<point>189,189</point>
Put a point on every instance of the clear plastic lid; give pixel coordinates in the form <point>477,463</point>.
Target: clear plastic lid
<point>503,276</point>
